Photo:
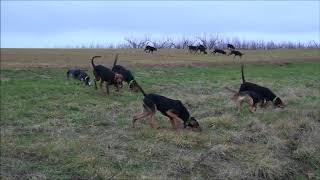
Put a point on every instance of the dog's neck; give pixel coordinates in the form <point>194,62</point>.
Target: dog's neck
<point>274,99</point>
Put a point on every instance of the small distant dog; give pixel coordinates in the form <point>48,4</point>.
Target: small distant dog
<point>127,75</point>
<point>220,51</point>
<point>235,53</point>
<point>104,74</point>
<point>264,92</point>
<point>173,109</point>
<point>202,48</point>
<point>193,49</point>
<point>150,49</point>
<point>80,75</point>
<point>249,97</point>
<point>230,46</point>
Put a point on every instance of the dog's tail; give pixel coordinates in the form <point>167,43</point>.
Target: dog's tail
<point>234,91</point>
<point>141,90</point>
<point>115,60</point>
<point>93,65</point>
<point>242,75</point>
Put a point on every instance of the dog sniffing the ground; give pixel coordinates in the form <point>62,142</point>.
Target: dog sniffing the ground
<point>127,75</point>
<point>80,75</point>
<point>249,97</point>
<point>104,74</point>
<point>173,109</point>
<point>264,92</point>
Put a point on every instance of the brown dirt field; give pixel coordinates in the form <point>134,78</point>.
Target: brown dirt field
<point>63,58</point>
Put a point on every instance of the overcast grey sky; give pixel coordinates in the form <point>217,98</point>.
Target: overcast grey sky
<point>59,23</point>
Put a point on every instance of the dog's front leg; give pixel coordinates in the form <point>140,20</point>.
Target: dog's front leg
<point>174,119</point>
<point>117,87</point>
<point>239,105</point>
<point>107,87</point>
<point>95,84</point>
<point>151,120</point>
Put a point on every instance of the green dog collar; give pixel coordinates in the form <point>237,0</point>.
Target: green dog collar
<point>275,99</point>
<point>131,82</point>
<point>189,120</point>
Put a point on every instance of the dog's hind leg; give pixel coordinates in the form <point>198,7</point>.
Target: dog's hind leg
<point>145,112</point>
<point>252,107</point>
<point>239,105</point>
<point>172,122</point>
<point>95,84</point>
<point>152,120</point>
<point>107,88</point>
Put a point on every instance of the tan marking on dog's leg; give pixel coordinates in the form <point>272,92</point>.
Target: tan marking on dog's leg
<point>151,120</point>
<point>141,115</point>
<point>172,119</point>
<point>240,105</point>
<point>172,123</point>
<point>176,120</point>
<point>249,100</point>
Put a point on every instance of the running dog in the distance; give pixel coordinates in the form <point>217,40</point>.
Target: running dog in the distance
<point>173,109</point>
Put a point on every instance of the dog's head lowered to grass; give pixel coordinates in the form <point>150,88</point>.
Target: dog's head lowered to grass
<point>193,124</point>
<point>118,78</point>
<point>277,102</point>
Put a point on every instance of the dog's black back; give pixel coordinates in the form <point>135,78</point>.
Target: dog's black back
<point>102,72</point>
<point>164,104</point>
<point>193,48</point>
<point>105,73</point>
<point>219,51</point>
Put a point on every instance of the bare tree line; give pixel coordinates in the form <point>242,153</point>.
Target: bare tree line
<point>210,42</point>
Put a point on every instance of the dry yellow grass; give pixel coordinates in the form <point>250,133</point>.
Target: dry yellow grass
<point>61,58</point>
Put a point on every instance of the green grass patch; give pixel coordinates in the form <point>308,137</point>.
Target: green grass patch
<point>60,129</point>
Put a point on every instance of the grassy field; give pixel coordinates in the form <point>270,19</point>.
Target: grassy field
<point>52,128</point>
